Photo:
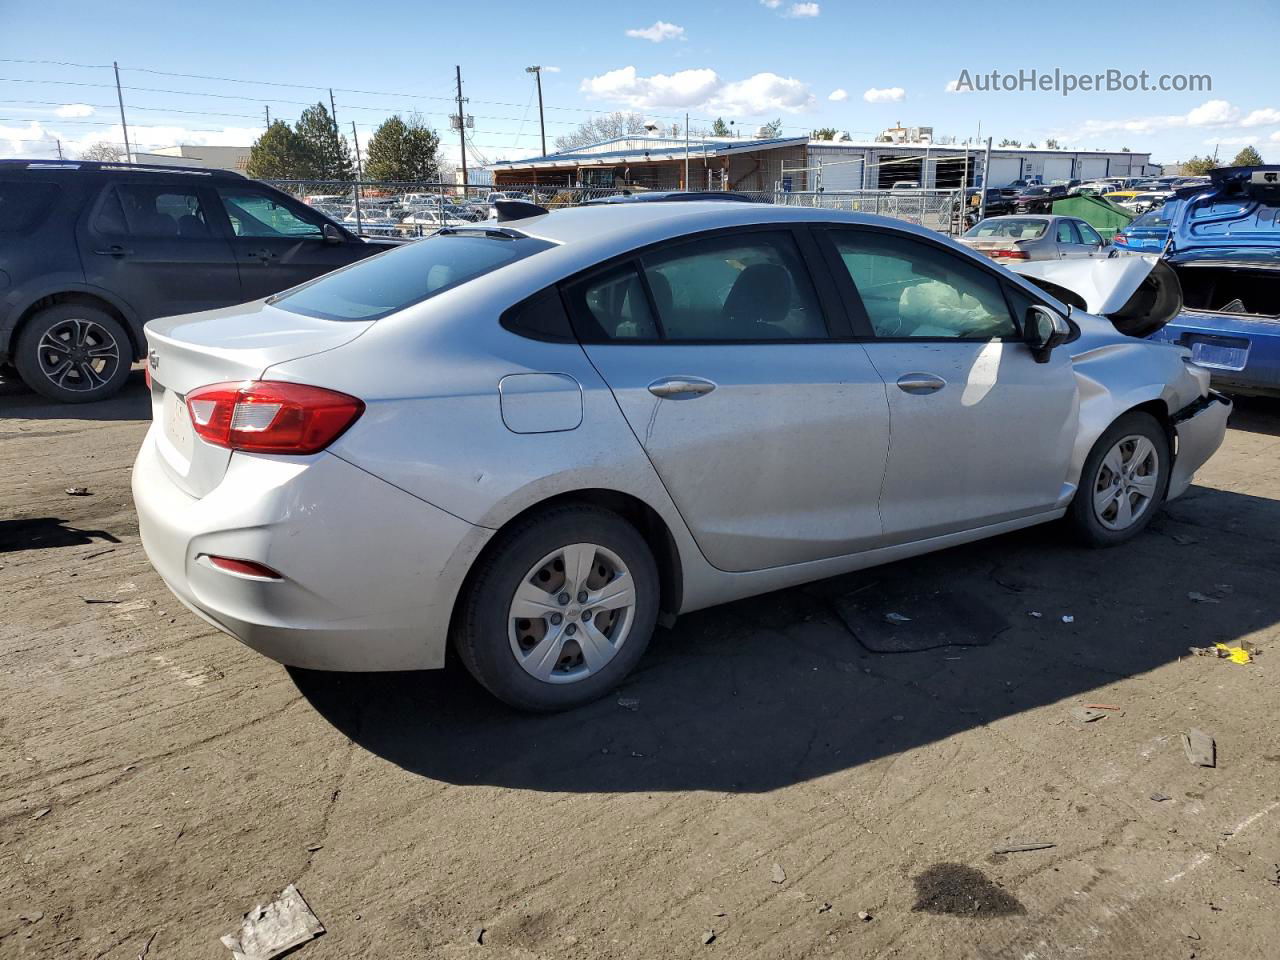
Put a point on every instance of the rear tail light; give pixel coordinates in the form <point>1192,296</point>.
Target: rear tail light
<point>1010,254</point>
<point>1121,239</point>
<point>265,416</point>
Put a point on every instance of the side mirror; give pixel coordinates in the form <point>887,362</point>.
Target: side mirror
<point>332,234</point>
<point>1045,330</point>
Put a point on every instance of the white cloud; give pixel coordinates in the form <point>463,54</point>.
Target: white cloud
<point>838,95</point>
<point>1213,113</point>
<point>1275,137</point>
<point>885,95</point>
<point>39,139</point>
<point>1229,141</point>
<point>550,69</point>
<point>1261,118</point>
<point>953,86</point>
<point>801,10</point>
<point>758,94</point>
<point>660,31</point>
<point>771,4</point>
<point>74,110</point>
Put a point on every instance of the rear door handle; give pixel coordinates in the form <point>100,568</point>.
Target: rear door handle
<point>920,383</point>
<point>115,250</point>
<point>681,388</point>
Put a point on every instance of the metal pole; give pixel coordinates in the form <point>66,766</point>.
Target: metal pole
<point>542,123</point>
<point>686,151</point>
<point>462,127</point>
<point>268,109</point>
<point>359,175</point>
<point>59,143</point>
<point>333,118</point>
<point>128,154</point>
<point>986,166</point>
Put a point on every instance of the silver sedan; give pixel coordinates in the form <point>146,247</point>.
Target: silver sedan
<point>1024,237</point>
<point>534,440</point>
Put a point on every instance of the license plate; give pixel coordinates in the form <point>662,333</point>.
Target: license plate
<point>1219,357</point>
<point>177,424</point>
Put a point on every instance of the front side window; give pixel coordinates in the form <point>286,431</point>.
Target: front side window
<point>254,214</point>
<point>149,211</point>
<point>743,287</point>
<point>912,289</point>
<point>1067,232</point>
<point>1088,234</point>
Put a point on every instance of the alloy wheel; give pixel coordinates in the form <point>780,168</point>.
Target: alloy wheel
<point>571,613</point>
<point>1126,483</point>
<point>78,355</point>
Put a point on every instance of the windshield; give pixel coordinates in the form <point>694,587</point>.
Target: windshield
<point>407,275</point>
<point>1015,228</point>
<point>1159,217</point>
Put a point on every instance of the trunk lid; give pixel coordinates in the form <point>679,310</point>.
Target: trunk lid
<point>231,344</point>
<point>1236,218</point>
<point>1138,294</point>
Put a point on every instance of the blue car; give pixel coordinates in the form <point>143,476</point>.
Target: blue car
<point>1150,232</point>
<point>1224,244</point>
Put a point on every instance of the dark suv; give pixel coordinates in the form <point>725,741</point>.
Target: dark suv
<point>89,252</point>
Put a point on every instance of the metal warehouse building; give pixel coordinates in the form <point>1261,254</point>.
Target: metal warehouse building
<point>797,163</point>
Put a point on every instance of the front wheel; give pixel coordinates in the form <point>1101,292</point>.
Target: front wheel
<point>560,609</point>
<point>1123,482</point>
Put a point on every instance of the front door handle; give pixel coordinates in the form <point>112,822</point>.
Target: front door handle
<point>264,255</point>
<point>681,388</point>
<point>115,250</point>
<point>920,383</point>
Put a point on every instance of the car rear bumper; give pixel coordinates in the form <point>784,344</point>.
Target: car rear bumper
<point>368,572</point>
<point>1200,429</point>
<point>1258,337</point>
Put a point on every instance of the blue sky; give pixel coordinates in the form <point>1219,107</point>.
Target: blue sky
<point>855,66</point>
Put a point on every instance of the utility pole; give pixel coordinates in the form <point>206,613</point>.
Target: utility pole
<point>462,128</point>
<point>268,109</point>
<point>333,115</point>
<point>542,124</point>
<point>128,154</point>
<point>359,175</point>
<point>982,204</point>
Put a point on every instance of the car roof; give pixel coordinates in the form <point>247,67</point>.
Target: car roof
<point>69,167</point>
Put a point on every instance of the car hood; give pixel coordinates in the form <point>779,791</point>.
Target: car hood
<point>1138,294</point>
<point>1235,219</point>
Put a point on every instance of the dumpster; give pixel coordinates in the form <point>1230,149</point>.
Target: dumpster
<point>1103,215</point>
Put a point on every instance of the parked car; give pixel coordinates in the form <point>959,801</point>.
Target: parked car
<point>372,220</point>
<point>905,185</point>
<point>429,217</point>
<point>532,439</point>
<point>1148,233</point>
<point>1224,245</point>
<point>89,252</point>
<point>665,196</point>
<point>1139,201</point>
<point>1010,238</point>
<point>1038,199</point>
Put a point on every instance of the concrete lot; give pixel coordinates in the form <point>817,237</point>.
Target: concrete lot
<point>158,780</point>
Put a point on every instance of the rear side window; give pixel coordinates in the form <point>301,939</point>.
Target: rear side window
<point>415,272</point>
<point>148,210</point>
<point>23,204</point>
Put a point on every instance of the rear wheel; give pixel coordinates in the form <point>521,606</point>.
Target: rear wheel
<point>1123,482</point>
<point>74,353</point>
<point>560,609</point>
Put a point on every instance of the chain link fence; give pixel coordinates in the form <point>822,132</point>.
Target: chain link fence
<point>417,208</point>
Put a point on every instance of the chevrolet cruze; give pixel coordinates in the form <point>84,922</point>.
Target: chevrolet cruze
<point>531,440</point>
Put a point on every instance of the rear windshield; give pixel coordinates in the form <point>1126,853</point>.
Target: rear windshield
<point>415,272</point>
<point>24,203</point>
<point>1017,228</point>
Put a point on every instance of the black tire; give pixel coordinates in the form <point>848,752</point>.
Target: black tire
<point>1082,516</point>
<point>481,628</point>
<point>84,382</point>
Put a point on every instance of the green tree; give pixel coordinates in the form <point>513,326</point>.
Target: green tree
<point>1248,157</point>
<point>773,129</point>
<point>403,151</point>
<point>330,154</point>
<point>280,154</point>
<point>823,133</point>
<point>720,128</point>
<point>1198,166</point>
<point>1009,143</point>
<point>1052,144</point>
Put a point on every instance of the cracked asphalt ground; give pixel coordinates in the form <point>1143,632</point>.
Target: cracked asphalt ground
<point>186,779</point>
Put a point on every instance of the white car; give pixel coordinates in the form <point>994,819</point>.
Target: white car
<point>428,217</point>
<point>532,440</point>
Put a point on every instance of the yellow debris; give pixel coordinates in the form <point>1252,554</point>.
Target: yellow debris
<point>1235,654</point>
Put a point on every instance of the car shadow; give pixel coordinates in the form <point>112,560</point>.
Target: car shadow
<point>777,689</point>
<point>41,533</point>
<point>1256,415</point>
<point>133,402</point>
